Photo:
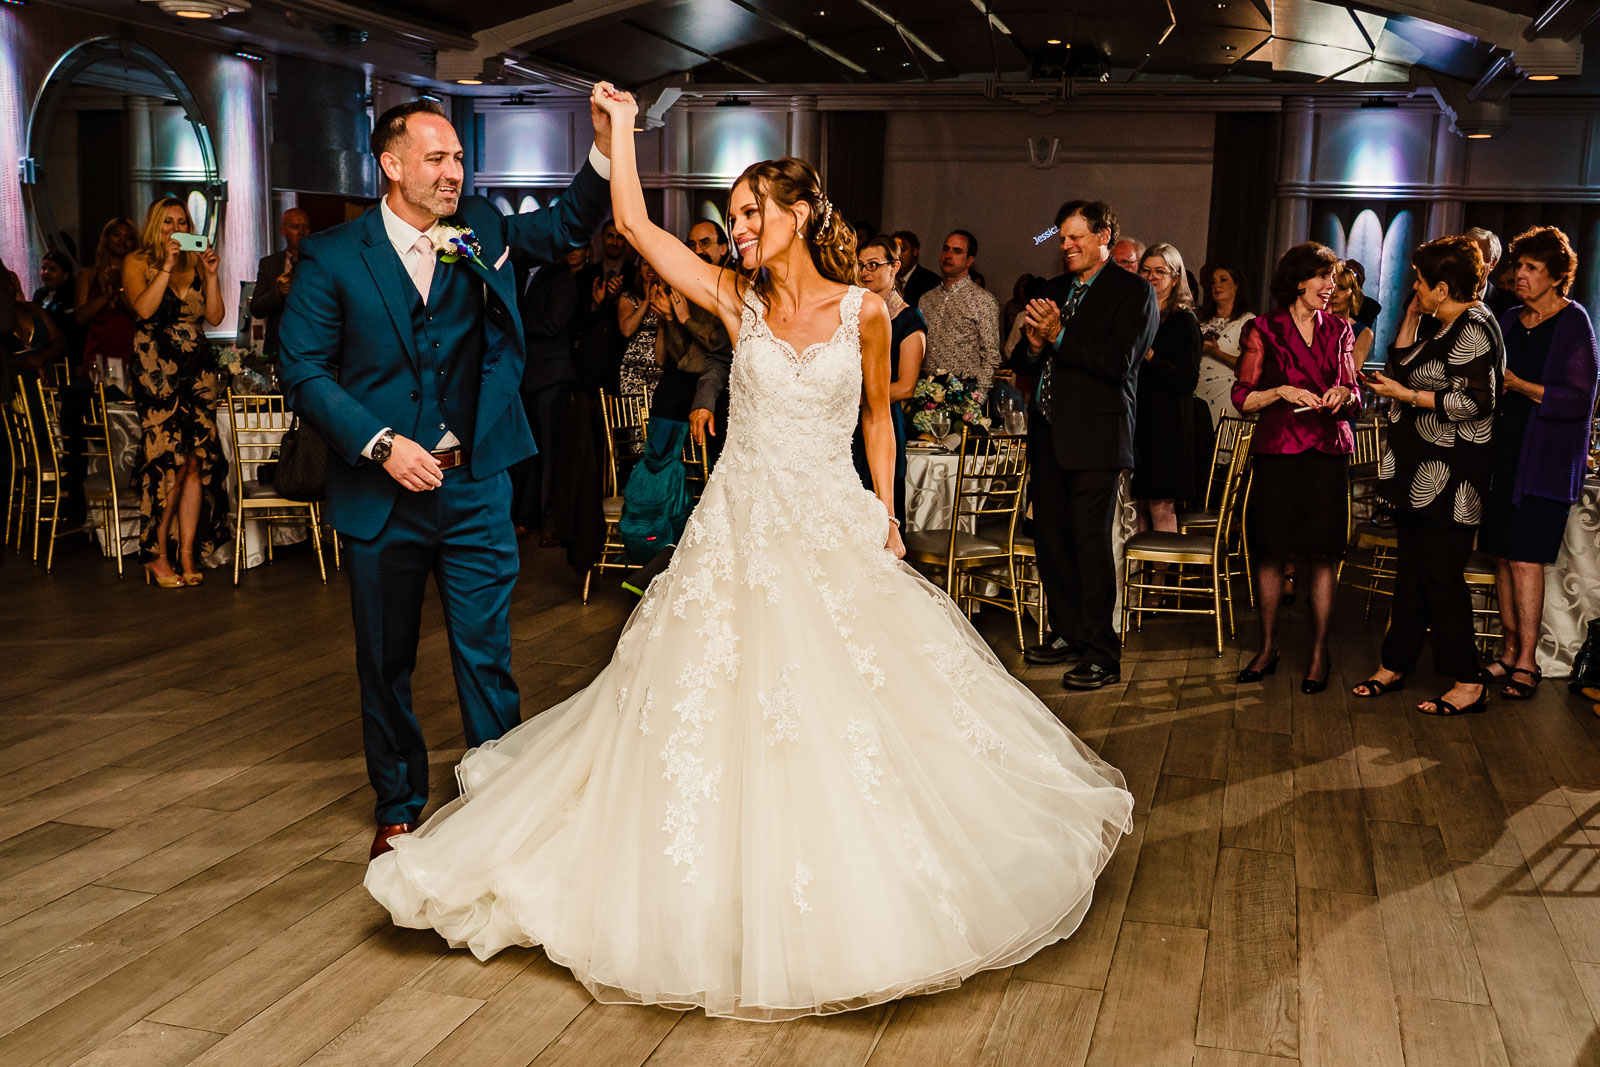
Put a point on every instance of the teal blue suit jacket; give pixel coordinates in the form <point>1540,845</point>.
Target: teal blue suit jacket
<point>348,347</point>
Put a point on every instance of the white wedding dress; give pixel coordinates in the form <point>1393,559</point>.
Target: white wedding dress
<point>802,785</point>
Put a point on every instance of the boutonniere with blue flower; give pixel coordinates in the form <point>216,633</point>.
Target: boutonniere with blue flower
<point>458,242</point>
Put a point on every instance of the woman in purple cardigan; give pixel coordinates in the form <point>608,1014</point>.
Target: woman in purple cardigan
<point>1551,373</point>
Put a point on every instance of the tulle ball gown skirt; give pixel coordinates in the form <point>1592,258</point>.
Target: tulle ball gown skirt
<point>803,784</point>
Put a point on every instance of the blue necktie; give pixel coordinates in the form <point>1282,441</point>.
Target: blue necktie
<point>1042,393</point>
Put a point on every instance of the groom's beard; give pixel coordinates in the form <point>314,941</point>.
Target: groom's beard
<point>433,197</point>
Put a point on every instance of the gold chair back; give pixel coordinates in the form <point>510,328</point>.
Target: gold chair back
<point>696,467</point>
<point>265,418</point>
<point>991,481</point>
<point>103,492</point>
<point>42,443</point>
<point>1229,430</point>
<point>626,417</point>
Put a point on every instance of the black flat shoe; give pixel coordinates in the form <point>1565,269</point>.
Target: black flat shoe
<point>1088,676</point>
<point>1515,690</point>
<point>1054,651</point>
<point>1308,686</point>
<point>1247,675</point>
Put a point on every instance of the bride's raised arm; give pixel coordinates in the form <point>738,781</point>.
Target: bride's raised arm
<point>710,286</point>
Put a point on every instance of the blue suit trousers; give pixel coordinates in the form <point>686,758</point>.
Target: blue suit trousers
<point>462,533</point>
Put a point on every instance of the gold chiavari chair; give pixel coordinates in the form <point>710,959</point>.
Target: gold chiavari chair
<point>1483,585</point>
<point>626,419</point>
<point>14,420</point>
<point>105,489</point>
<point>1373,548</point>
<point>696,467</point>
<point>1204,517</point>
<point>991,473</point>
<point>42,442</point>
<point>1010,575</point>
<point>257,424</point>
<point>1144,551</point>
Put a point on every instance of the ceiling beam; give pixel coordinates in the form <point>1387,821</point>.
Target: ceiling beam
<point>803,37</point>
<point>692,50</point>
<point>467,60</point>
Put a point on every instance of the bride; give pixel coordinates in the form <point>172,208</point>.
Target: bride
<point>803,784</point>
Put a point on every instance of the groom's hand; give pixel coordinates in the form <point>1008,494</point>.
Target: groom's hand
<point>412,466</point>
<point>602,121</point>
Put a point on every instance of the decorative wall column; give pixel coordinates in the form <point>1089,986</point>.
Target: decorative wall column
<point>141,156</point>
<point>805,130</point>
<point>1293,216</point>
<point>1449,173</point>
<point>677,208</point>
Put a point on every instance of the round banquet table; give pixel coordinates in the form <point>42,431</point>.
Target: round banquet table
<point>123,425</point>
<point>931,501</point>
<point>1572,586</point>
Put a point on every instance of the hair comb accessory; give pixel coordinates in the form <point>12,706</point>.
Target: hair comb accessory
<point>827,213</point>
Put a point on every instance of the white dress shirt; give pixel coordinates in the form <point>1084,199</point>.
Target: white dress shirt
<point>404,236</point>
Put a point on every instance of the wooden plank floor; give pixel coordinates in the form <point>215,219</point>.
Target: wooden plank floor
<point>1314,880</point>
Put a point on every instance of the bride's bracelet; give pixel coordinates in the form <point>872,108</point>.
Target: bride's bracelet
<point>894,520</point>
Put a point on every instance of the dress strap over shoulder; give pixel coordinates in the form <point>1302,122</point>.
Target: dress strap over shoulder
<point>850,309</point>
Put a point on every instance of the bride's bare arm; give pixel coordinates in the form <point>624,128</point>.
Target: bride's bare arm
<point>877,425</point>
<point>712,287</point>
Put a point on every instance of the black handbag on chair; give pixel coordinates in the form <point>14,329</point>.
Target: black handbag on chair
<point>302,472</point>
<point>1586,665</point>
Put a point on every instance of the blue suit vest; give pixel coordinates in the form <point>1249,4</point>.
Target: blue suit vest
<point>450,343</point>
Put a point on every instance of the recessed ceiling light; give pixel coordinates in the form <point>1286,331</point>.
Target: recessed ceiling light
<point>469,81</point>
<point>1227,48</point>
<point>1053,40</point>
<point>1479,136</point>
<point>907,63</point>
<point>822,14</point>
<point>202,9</point>
<point>1543,77</point>
<point>250,56</point>
<point>878,49</point>
<point>1222,5</point>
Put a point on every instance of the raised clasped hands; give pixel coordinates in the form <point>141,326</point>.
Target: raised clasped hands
<point>613,109</point>
<point>1041,321</point>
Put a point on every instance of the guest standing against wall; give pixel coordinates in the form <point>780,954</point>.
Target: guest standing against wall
<point>1223,316</point>
<point>1297,375</point>
<point>1543,432</point>
<point>1436,467</point>
<point>274,275</point>
<point>1163,428</point>
<point>181,473</point>
<point>1085,338</point>
<point>963,318</point>
<point>915,279</point>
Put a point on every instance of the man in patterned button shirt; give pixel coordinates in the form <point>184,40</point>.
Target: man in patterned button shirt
<point>963,318</point>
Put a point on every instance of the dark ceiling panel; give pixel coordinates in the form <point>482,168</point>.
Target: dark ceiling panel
<point>621,54</point>
<point>712,26</point>
<point>459,14</point>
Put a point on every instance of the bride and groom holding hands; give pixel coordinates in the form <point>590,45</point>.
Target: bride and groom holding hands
<point>803,784</point>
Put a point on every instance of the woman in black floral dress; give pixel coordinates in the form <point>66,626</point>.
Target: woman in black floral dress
<point>181,472</point>
<point>1436,467</point>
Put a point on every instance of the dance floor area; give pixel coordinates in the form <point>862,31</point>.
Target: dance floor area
<point>1321,880</point>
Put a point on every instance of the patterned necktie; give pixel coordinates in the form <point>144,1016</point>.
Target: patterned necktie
<point>422,267</point>
<point>1042,393</point>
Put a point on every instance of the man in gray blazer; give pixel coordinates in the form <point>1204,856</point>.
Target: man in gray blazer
<point>275,273</point>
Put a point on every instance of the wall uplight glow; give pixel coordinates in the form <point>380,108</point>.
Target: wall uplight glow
<point>15,248</point>
<point>238,141</point>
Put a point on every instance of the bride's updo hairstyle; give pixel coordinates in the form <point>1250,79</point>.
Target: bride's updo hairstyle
<point>830,239</point>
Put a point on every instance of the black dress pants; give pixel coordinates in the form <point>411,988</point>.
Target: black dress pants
<point>1430,596</point>
<point>1074,514</point>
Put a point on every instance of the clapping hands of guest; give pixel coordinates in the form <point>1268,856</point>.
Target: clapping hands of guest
<point>1041,321</point>
<point>660,302</point>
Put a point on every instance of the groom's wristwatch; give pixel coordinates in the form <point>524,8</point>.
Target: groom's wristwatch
<point>383,446</point>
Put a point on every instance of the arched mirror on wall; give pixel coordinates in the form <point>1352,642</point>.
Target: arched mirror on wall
<point>114,128</point>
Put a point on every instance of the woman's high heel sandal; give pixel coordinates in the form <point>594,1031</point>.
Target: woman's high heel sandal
<point>192,577</point>
<point>165,581</point>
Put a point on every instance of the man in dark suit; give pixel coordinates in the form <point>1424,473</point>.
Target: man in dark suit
<point>1085,337</point>
<point>403,347</point>
<point>549,312</point>
<point>915,279</point>
<point>275,274</point>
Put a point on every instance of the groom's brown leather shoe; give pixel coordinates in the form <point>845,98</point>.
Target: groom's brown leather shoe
<point>380,840</point>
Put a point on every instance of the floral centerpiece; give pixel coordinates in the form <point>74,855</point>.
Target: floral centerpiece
<point>252,372</point>
<point>943,393</point>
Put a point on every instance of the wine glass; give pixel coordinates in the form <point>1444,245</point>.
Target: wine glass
<point>939,423</point>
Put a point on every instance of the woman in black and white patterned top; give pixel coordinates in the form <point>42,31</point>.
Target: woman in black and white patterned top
<point>1436,468</point>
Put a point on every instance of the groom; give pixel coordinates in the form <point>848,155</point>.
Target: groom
<point>403,348</point>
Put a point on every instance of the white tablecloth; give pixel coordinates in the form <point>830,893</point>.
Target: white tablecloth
<point>1572,586</point>
<point>125,434</point>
